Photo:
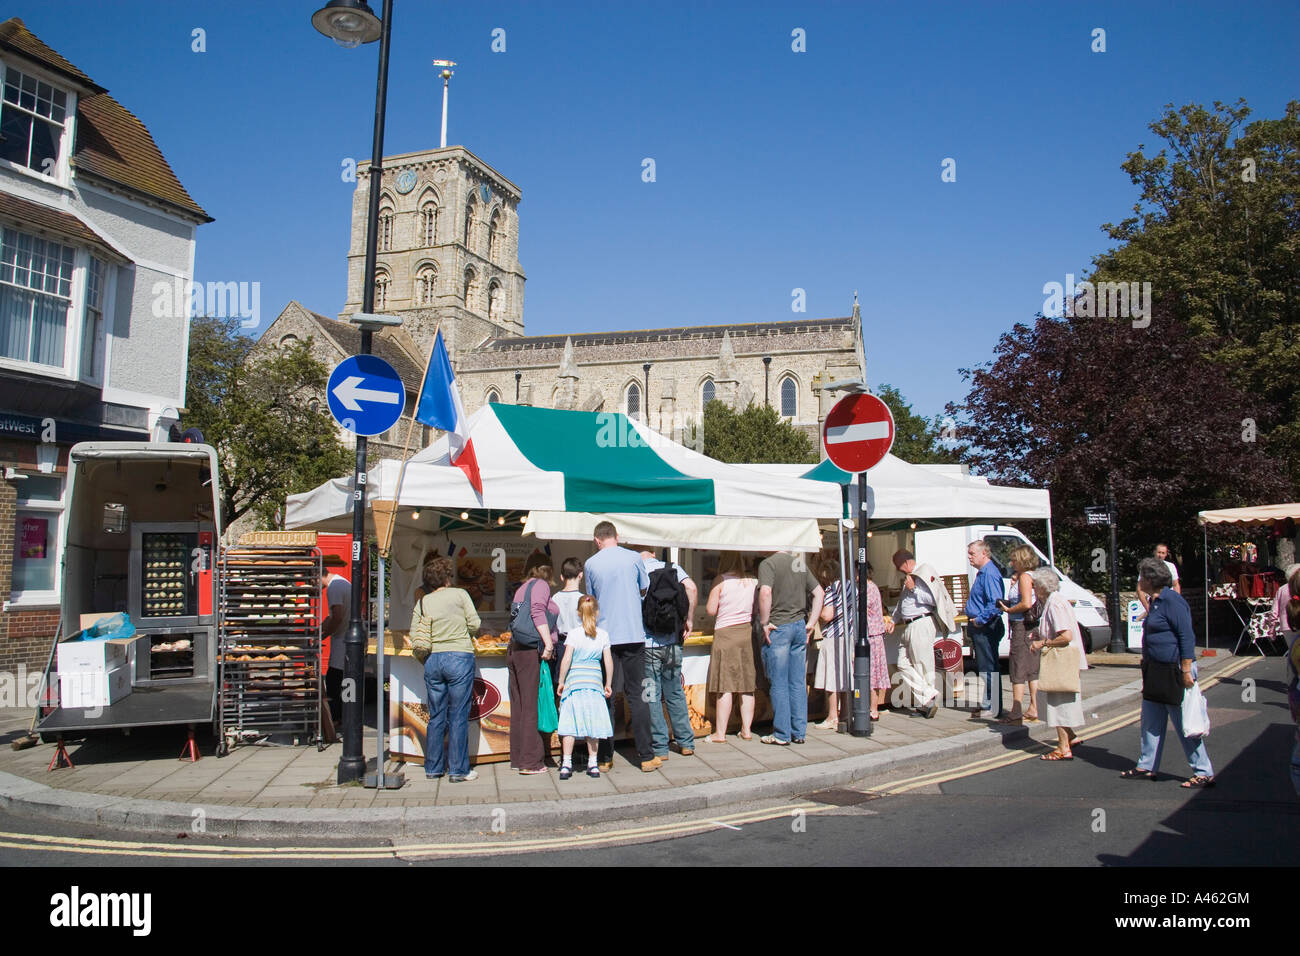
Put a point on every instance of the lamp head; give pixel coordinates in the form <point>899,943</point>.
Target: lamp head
<point>349,23</point>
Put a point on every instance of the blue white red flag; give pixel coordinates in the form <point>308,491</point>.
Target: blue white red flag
<point>439,406</point>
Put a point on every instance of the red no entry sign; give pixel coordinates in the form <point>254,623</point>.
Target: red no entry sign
<point>858,432</point>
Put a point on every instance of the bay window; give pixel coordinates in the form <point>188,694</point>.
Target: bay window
<point>35,295</point>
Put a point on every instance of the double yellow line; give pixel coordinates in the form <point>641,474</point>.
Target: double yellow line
<point>1005,760</point>
<point>504,845</point>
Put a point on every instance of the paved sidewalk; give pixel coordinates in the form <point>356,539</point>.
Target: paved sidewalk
<point>136,781</point>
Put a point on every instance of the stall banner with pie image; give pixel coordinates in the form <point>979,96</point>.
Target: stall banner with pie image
<point>408,710</point>
<point>475,573</point>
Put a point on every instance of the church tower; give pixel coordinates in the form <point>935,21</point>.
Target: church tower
<point>448,248</point>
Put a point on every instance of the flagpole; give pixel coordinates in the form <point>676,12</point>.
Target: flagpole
<point>384,549</point>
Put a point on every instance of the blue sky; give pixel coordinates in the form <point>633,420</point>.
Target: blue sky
<point>775,170</point>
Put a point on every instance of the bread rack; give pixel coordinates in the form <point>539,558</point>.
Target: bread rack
<point>269,644</point>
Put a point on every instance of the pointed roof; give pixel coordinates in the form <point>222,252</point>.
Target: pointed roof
<point>112,144</point>
<point>568,366</point>
<point>727,360</point>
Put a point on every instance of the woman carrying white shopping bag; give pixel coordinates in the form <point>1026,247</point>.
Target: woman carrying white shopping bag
<point>1168,672</point>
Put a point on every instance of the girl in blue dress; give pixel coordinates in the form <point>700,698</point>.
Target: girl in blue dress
<point>583,689</point>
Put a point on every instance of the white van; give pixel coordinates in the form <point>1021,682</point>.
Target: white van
<point>945,551</point>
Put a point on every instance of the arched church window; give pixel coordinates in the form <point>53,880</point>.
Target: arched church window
<point>470,292</point>
<point>469,222</point>
<point>708,392</point>
<point>633,401</point>
<point>289,340</point>
<point>385,230</point>
<point>429,223</point>
<point>381,291</point>
<point>494,235</point>
<point>493,396</point>
<point>425,282</point>
<point>789,397</point>
<point>494,299</point>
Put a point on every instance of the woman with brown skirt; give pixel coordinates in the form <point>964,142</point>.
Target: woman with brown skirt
<point>524,656</point>
<point>1024,659</point>
<point>731,662</point>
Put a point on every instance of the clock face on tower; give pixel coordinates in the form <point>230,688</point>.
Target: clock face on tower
<point>484,193</point>
<point>405,181</point>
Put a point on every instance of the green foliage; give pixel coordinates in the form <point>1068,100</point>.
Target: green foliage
<point>1217,233</point>
<point>757,434</point>
<point>254,406</point>
<point>917,440</point>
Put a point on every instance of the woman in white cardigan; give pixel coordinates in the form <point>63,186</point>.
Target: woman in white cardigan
<point>1058,628</point>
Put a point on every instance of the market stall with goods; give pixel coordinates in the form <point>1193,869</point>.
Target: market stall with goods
<point>536,461</point>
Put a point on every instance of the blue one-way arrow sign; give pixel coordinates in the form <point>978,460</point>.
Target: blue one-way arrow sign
<point>365,395</point>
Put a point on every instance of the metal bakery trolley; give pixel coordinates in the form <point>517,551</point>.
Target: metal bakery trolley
<point>269,644</point>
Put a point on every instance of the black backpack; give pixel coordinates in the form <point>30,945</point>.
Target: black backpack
<point>664,607</point>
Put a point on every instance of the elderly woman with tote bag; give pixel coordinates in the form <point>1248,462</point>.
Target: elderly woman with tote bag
<point>1168,669</point>
<point>1061,659</point>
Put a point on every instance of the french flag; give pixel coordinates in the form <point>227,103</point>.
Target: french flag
<point>440,407</point>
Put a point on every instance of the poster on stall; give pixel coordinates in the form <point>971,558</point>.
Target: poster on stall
<point>484,565</point>
<point>33,533</point>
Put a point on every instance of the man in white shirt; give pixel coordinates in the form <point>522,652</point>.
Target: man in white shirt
<point>923,599</point>
<point>338,600</point>
<point>1161,553</point>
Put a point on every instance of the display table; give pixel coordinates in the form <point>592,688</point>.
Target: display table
<point>489,716</point>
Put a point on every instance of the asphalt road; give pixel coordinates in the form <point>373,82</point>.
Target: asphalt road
<point>1024,814</point>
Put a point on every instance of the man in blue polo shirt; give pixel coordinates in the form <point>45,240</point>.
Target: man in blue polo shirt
<point>617,579</point>
<point>986,627</point>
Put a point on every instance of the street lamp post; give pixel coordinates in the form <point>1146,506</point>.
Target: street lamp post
<point>518,375</point>
<point>351,23</point>
<point>767,365</point>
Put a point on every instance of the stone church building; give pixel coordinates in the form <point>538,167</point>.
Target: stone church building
<point>448,257</point>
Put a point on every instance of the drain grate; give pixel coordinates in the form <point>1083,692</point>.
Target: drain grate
<point>841,797</point>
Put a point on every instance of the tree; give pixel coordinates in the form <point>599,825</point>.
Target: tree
<point>1217,233</point>
<point>917,440</point>
<point>756,434</point>
<point>254,405</point>
<point>1069,403</point>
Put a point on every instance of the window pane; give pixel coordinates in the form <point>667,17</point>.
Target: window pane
<point>633,401</point>
<point>15,127</point>
<point>493,398</point>
<point>789,403</point>
<point>34,537</point>
<point>39,488</point>
<point>49,323</point>
<point>45,146</point>
<point>710,392</point>
<point>15,322</point>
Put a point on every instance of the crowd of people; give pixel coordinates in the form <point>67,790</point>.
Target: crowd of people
<point>617,624</point>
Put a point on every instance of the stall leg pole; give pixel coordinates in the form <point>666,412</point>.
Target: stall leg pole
<point>847,630</point>
<point>379,672</point>
<point>862,650</point>
<point>1205,552</point>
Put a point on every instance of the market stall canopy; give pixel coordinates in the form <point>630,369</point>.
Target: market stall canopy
<point>899,493</point>
<point>682,531</point>
<point>1254,516</point>
<point>541,459</point>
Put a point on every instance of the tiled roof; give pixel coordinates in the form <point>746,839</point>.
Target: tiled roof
<point>40,218</point>
<point>632,336</point>
<point>112,144</point>
<point>15,36</point>
<point>348,337</point>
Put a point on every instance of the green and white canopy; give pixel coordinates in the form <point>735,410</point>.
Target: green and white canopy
<point>588,463</point>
